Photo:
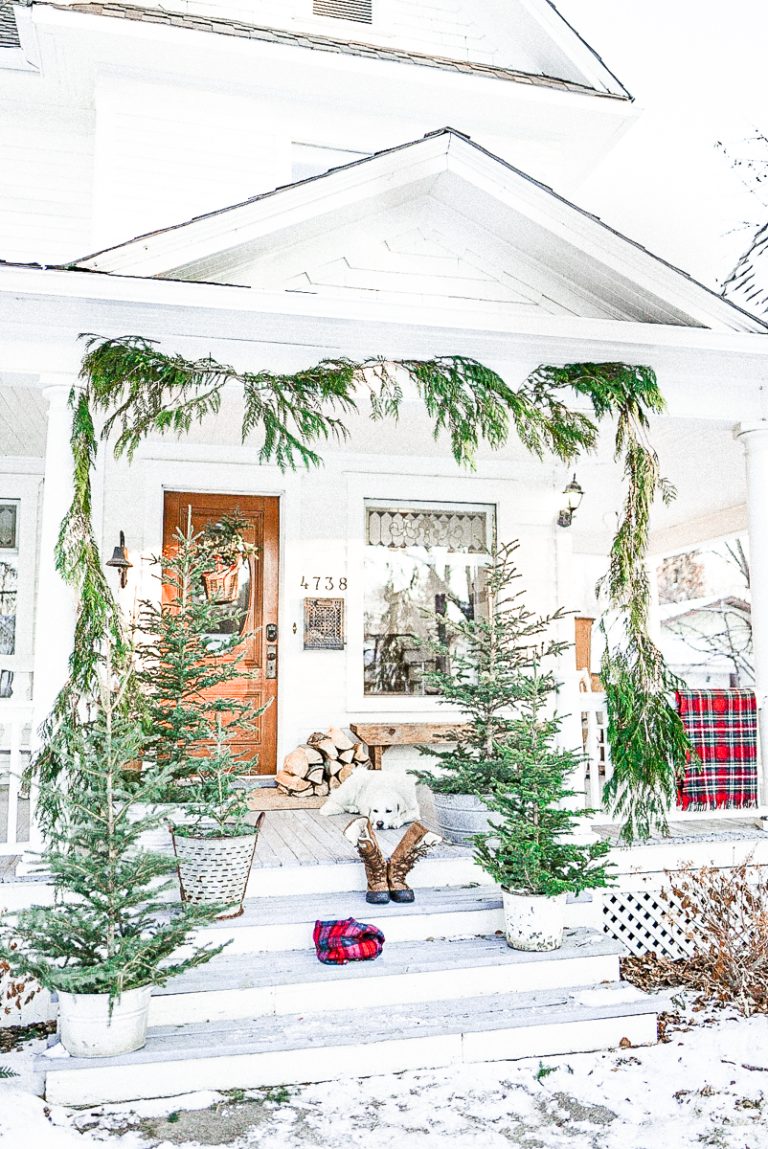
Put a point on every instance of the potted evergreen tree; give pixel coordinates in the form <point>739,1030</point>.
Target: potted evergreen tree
<point>216,844</point>
<point>530,850</point>
<point>187,655</point>
<point>484,660</point>
<point>111,934</point>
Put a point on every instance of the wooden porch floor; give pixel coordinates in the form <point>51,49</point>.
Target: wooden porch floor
<point>306,838</point>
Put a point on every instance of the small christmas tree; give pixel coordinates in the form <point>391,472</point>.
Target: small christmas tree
<point>507,753</point>
<point>186,656</point>
<point>109,930</point>
<point>216,806</point>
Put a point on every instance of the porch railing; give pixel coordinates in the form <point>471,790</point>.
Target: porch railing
<point>16,801</point>
<point>597,752</point>
<point>598,768</point>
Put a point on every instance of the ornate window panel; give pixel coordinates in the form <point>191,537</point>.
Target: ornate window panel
<point>457,531</point>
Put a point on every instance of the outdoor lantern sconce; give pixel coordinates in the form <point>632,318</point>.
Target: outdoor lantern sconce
<point>121,561</point>
<point>573,495</point>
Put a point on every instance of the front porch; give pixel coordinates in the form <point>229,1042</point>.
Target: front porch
<point>447,989</point>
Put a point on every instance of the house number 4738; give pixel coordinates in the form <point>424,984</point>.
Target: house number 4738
<point>322,582</point>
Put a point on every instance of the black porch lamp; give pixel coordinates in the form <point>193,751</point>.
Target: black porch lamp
<point>121,561</point>
<point>573,493</point>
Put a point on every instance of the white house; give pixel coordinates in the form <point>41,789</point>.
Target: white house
<point>276,183</point>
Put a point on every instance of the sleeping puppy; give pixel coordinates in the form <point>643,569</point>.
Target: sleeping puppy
<point>389,800</point>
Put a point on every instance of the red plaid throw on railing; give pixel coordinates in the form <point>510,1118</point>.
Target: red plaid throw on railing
<point>722,727</point>
<point>341,941</point>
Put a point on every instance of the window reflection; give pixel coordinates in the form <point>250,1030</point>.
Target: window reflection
<point>422,565</point>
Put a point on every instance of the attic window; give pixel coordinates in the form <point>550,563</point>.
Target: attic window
<point>359,10</point>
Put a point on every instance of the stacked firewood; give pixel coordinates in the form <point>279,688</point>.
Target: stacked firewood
<point>321,764</point>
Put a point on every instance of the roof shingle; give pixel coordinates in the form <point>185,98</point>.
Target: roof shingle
<point>226,27</point>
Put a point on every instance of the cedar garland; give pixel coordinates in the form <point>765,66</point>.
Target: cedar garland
<point>141,390</point>
<point>649,746</point>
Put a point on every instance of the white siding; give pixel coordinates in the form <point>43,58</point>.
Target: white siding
<point>46,166</point>
<point>167,153</point>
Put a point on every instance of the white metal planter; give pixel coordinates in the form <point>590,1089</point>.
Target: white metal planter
<point>533,921</point>
<point>88,1029</point>
<point>460,816</point>
<point>215,869</point>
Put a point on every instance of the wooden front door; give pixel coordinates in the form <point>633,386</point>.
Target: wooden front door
<point>259,600</point>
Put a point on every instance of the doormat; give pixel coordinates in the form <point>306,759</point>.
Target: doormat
<point>270,798</point>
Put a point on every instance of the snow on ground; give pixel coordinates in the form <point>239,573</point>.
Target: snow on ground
<point>707,1087</point>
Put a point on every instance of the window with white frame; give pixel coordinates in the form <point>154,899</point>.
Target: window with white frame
<point>424,565</point>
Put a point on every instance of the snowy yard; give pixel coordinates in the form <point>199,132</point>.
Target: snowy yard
<point>707,1086</point>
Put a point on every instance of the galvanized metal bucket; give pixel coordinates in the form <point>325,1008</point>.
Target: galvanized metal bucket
<point>88,1028</point>
<point>460,817</point>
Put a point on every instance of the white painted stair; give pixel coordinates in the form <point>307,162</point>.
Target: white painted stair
<point>446,989</point>
<point>350,1042</point>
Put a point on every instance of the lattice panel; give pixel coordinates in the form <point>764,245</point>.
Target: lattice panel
<point>646,922</point>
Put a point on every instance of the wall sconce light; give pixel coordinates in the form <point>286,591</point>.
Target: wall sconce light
<point>120,560</point>
<point>573,495</point>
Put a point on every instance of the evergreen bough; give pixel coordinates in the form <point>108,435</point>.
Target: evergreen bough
<point>112,927</point>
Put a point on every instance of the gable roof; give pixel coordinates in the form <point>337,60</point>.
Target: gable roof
<point>747,285</point>
<point>603,82</point>
<point>548,252</point>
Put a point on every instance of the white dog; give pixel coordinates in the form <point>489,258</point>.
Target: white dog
<point>389,800</point>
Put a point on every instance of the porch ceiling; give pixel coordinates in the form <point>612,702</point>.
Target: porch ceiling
<point>23,419</point>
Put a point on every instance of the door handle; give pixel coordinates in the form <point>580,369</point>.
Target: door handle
<point>271,671</point>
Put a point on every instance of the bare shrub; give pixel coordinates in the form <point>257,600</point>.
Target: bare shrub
<point>15,991</point>
<point>724,915</point>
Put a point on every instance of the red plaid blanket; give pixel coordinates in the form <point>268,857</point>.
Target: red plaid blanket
<point>339,942</point>
<point>722,727</point>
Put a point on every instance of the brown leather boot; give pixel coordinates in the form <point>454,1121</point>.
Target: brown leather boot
<point>414,844</point>
<point>360,834</point>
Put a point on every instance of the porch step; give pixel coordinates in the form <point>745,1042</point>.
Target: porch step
<point>269,924</point>
<point>359,1042</point>
<point>233,987</point>
<point>453,867</point>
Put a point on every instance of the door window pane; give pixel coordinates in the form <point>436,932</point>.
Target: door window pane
<point>424,563</point>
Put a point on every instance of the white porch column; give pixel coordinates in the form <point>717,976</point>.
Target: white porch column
<point>55,607</point>
<point>754,436</point>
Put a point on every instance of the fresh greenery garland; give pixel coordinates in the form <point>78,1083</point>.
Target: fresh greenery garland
<point>97,620</point>
<point>141,390</point>
<point>649,746</point>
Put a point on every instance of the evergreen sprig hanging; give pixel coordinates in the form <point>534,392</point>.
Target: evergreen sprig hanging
<point>142,390</point>
<point>97,619</point>
<point>649,746</point>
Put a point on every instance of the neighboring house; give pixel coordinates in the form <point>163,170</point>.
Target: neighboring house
<point>747,285</point>
<point>708,642</point>
<point>167,175</point>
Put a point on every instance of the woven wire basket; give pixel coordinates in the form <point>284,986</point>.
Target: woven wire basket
<point>215,870</point>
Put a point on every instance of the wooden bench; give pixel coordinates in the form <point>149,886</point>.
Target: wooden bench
<point>379,735</point>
